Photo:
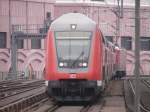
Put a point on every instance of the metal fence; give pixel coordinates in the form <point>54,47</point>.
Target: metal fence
<point>33,75</point>
<point>30,28</point>
<point>142,72</point>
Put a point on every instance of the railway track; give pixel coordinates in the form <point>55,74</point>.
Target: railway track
<point>73,107</point>
<point>146,83</point>
<point>145,93</point>
<point>86,108</point>
<point>34,99</point>
<point>7,90</point>
<point>145,103</point>
<point>70,108</point>
<point>22,101</point>
<point>19,84</point>
<point>53,108</point>
<point>26,94</point>
<point>8,82</point>
<point>96,107</point>
<point>77,107</point>
<point>102,104</point>
<point>143,108</point>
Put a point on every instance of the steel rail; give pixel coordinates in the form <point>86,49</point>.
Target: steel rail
<point>23,102</point>
<point>53,108</point>
<point>146,83</point>
<point>100,103</point>
<point>6,89</point>
<point>134,78</point>
<point>144,108</point>
<point>35,105</point>
<point>22,91</point>
<point>86,108</point>
<point>16,87</point>
<point>141,104</point>
<point>10,82</point>
<point>23,87</point>
<point>132,87</point>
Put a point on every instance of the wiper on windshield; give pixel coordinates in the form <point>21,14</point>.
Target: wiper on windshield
<point>77,59</point>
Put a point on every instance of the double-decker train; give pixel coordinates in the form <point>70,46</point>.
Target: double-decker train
<point>79,60</point>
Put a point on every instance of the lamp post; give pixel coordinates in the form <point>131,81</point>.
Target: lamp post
<point>137,55</point>
<point>119,15</point>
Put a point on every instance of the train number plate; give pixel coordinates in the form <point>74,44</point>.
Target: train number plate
<point>73,76</point>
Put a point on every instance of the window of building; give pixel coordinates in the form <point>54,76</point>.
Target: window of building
<point>48,15</point>
<point>109,38</point>
<point>20,44</point>
<point>126,42</point>
<point>145,43</point>
<point>3,39</point>
<point>35,43</point>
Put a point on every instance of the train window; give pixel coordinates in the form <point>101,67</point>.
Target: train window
<point>20,44</point>
<point>73,49</point>
<point>145,43</point>
<point>126,42</point>
<point>35,43</point>
<point>2,39</point>
<point>73,35</point>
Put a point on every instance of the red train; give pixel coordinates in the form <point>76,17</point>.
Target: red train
<point>79,60</point>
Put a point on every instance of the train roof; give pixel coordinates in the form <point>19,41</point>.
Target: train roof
<point>65,21</point>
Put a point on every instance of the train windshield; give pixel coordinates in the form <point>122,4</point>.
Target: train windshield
<point>73,49</point>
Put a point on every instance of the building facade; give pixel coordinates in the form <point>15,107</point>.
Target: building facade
<point>27,15</point>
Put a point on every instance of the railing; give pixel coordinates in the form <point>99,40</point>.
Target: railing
<point>4,76</point>
<point>142,72</point>
<point>30,28</point>
<point>30,75</point>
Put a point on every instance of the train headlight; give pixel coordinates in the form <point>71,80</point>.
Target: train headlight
<point>84,64</point>
<point>99,83</point>
<point>73,26</point>
<point>61,64</point>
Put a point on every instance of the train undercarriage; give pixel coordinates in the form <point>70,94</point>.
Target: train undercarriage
<point>73,90</point>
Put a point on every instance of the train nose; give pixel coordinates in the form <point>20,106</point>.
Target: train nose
<point>73,88</point>
<point>72,84</point>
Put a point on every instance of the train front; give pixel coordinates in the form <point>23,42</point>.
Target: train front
<point>72,65</point>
